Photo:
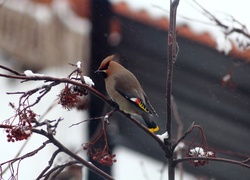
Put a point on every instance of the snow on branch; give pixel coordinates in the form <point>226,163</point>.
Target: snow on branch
<point>88,81</point>
<point>29,73</point>
<point>163,136</point>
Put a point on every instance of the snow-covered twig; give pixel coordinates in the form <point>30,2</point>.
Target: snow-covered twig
<point>88,81</point>
<point>29,73</point>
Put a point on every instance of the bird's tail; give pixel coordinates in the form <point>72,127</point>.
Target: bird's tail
<point>152,126</point>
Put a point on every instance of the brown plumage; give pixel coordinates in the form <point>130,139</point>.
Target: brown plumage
<point>124,89</point>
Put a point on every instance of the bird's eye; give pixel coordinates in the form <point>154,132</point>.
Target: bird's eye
<point>106,66</point>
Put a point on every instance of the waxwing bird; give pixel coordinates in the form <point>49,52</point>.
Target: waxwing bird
<point>124,89</point>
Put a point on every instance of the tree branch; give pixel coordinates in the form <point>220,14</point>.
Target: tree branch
<point>241,163</point>
<point>172,56</point>
<point>89,89</point>
<point>58,169</point>
<point>50,163</point>
<point>145,129</point>
<point>73,155</point>
<point>32,153</point>
<point>189,130</point>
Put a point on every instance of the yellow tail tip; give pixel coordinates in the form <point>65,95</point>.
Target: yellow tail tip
<point>152,130</point>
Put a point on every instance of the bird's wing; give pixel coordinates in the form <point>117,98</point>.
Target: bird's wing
<point>129,87</point>
<point>136,101</point>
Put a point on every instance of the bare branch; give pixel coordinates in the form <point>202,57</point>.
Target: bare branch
<point>172,56</point>
<point>95,118</point>
<point>246,161</point>
<point>19,159</point>
<point>16,156</point>
<point>73,155</point>
<point>11,70</point>
<point>189,130</point>
<point>58,169</point>
<point>212,159</point>
<point>60,80</point>
<point>89,89</point>
<point>43,91</point>
<point>50,163</point>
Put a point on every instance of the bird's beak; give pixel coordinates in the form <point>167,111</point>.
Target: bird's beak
<point>100,71</point>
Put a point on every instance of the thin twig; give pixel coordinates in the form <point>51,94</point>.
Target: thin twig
<point>32,153</point>
<point>189,130</point>
<point>90,119</point>
<point>58,169</point>
<point>11,70</point>
<point>18,153</point>
<point>61,80</point>
<point>246,161</point>
<point>50,163</point>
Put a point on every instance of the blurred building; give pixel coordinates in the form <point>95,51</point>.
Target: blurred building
<point>42,33</point>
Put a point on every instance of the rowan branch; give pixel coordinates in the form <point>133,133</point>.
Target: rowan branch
<point>57,81</point>
<point>73,155</point>
<point>172,56</point>
<point>240,163</point>
<point>145,129</point>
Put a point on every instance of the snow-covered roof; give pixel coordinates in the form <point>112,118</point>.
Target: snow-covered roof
<point>192,23</point>
<point>191,20</point>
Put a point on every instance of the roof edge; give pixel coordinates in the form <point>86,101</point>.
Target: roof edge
<point>183,30</point>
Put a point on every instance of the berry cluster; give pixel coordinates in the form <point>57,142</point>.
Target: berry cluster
<point>200,152</point>
<point>69,97</point>
<point>102,156</point>
<point>23,129</point>
<point>18,133</point>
